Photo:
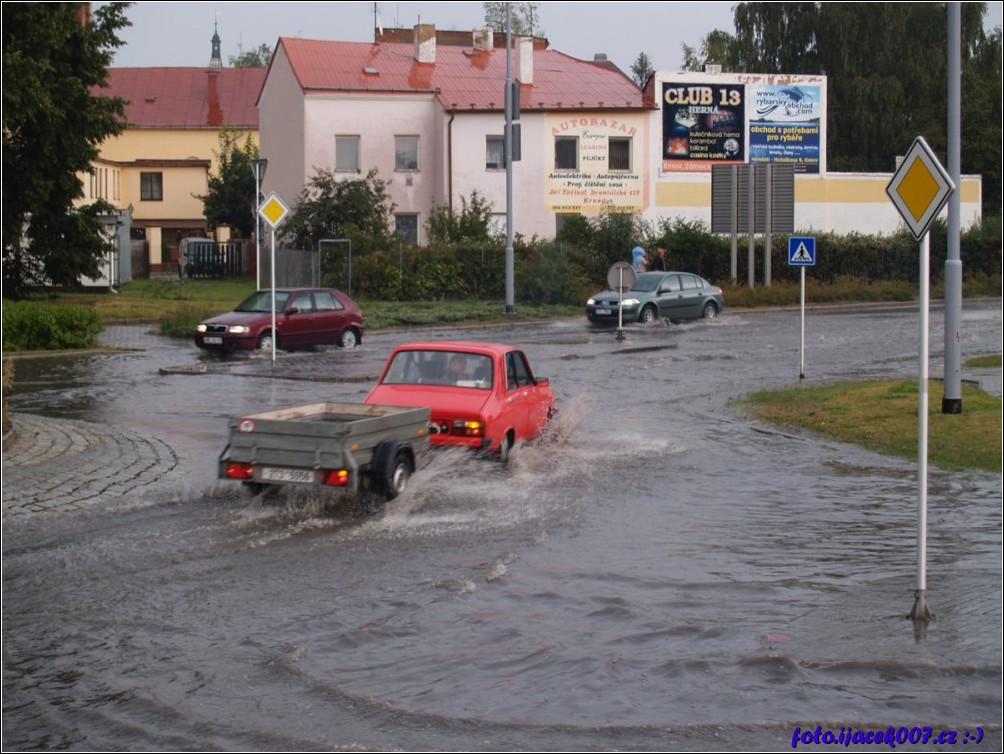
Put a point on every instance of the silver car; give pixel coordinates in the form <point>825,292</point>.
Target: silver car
<point>676,296</point>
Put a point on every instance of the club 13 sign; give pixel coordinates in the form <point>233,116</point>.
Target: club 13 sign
<point>702,125</point>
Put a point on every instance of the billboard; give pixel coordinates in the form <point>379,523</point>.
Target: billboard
<point>596,163</point>
<point>727,119</point>
<point>785,125</point>
<point>703,124</point>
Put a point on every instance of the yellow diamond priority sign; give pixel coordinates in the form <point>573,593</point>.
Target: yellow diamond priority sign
<point>920,187</point>
<point>273,210</point>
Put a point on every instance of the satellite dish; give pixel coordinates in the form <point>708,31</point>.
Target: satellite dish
<point>621,277</point>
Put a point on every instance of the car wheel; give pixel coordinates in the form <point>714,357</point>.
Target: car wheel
<point>349,338</point>
<point>649,314</point>
<point>710,310</point>
<point>504,447</point>
<point>397,480</point>
<point>265,341</point>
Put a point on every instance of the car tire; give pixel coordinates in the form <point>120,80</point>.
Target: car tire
<point>505,446</point>
<point>392,467</point>
<point>400,473</point>
<point>349,338</point>
<point>710,310</point>
<point>265,341</point>
<point>649,314</point>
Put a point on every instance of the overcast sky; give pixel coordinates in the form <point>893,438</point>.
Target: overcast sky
<point>179,33</point>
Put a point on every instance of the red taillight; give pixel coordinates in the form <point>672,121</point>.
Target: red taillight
<point>335,477</point>
<point>240,471</point>
<point>468,428</point>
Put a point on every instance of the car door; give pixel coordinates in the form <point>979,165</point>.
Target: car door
<point>299,322</point>
<point>690,297</point>
<point>670,297</point>
<point>526,411</point>
<point>330,317</point>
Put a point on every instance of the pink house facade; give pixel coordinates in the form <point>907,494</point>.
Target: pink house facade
<point>428,116</point>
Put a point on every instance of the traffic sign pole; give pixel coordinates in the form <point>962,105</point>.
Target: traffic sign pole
<point>919,188</point>
<point>920,611</point>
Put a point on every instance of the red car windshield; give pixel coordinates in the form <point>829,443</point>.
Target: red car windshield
<point>458,368</point>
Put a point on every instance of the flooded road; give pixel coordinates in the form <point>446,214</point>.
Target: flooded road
<point>662,574</point>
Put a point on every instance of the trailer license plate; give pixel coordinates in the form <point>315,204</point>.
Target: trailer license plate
<point>603,311</point>
<point>294,476</point>
<point>213,340</point>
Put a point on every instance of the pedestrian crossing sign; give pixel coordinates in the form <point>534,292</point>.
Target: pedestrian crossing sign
<point>801,251</point>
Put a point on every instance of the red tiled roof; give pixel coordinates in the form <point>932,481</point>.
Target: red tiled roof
<point>182,97</point>
<point>461,78</point>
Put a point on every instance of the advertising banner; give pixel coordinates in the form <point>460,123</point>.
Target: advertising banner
<point>596,163</point>
<point>784,125</point>
<point>702,125</point>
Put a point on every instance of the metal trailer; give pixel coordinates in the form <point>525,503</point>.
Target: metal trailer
<point>354,446</point>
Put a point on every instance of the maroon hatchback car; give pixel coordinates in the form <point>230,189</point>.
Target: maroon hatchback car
<point>303,317</point>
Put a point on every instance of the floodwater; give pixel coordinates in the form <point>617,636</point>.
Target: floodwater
<point>660,574</point>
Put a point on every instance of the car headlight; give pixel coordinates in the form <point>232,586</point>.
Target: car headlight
<point>200,328</point>
<point>631,302</point>
<point>590,301</point>
<point>238,329</point>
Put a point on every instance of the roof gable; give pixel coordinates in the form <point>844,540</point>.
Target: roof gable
<point>461,78</point>
<point>187,97</point>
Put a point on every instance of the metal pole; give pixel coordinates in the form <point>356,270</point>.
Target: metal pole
<point>510,297</point>
<point>801,365</point>
<point>920,610</point>
<point>734,224</point>
<point>275,335</point>
<point>767,230</point>
<point>952,402</point>
<point>751,248</point>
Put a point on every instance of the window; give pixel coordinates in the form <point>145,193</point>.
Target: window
<point>494,153</point>
<point>619,150</point>
<point>326,302</point>
<point>566,152</point>
<point>347,154</point>
<point>406,226</point>
<point>151,187</point>
<point>405,153</point>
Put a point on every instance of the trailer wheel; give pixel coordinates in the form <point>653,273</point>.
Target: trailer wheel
<point>393,465</point>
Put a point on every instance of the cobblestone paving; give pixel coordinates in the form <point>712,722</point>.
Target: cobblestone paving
<point>62,465</point>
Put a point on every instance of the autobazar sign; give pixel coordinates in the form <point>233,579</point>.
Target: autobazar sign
<point>595,164</point>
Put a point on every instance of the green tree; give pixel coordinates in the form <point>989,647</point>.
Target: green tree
<point>230,199</point>
<point>881,94</point>
<point>716,47</point>
<point>56,57</point>
<point>332,207</point>
<point>525,18</point>
<point>471,225</point>
<point>642,70</point>
<point>259,57</point>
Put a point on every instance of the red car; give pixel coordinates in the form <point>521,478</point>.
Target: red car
<point>480,395</point>
<point>303,317</point>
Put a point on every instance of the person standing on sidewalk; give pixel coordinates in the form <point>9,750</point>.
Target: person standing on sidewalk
<point>658,263</point>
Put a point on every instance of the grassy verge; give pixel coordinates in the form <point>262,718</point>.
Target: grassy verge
<point>882,416</point>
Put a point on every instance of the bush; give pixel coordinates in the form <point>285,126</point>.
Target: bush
<point>41,326</point>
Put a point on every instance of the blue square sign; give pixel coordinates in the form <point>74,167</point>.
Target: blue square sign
<point>801,251</point>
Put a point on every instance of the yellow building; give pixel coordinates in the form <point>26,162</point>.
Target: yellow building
<point>158,167</point>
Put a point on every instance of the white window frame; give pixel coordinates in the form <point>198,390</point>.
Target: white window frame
<point>404,146</point>
<point>342,143</point>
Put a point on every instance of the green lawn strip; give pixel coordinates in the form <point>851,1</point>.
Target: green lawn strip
<point>882,416</point>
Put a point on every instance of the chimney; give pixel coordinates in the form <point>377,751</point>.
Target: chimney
<point>484,39</point>
<point>425,43</point>
<point>524,59</point>
<point>214,117</point>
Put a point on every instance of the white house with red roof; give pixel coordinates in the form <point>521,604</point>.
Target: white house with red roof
<point>428,114</point>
